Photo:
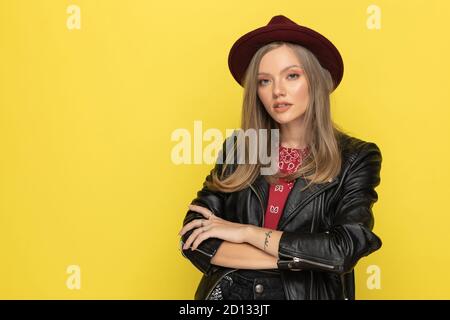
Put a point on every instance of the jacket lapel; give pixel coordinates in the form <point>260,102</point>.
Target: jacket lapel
<point>296,200</point>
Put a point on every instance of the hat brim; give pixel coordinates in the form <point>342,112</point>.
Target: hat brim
<point>246,46</point>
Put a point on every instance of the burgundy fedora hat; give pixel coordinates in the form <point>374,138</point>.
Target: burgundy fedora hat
<point>280,28</point>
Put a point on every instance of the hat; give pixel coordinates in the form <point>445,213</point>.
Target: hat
<point>280,28</point>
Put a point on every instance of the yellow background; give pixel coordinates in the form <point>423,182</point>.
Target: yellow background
<point>86,116</point>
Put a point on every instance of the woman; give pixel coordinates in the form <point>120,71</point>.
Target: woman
<point>296,234</point>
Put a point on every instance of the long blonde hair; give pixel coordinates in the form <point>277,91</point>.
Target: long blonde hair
<point>321,133</point>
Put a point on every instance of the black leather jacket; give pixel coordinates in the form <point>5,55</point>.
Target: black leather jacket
<point>326,228</point>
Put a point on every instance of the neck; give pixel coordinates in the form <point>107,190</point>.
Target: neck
<point>292,134</point>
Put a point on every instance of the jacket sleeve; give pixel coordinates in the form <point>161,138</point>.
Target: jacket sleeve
<point>214,201</point>
<point>350,236</point>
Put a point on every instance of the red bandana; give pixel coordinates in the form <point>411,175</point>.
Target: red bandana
<point>290,161</point>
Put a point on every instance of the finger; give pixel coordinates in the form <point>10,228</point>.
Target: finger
<point>204,211</point>
<point>202,237</point>
<point>193,224</point>
<point>189,226</point>
<point>198,232</point>
<point>192,238</point>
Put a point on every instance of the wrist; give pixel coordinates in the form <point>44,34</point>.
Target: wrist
<point>249,233</point>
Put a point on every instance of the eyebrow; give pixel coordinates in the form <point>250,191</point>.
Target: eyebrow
<point>294,65</point>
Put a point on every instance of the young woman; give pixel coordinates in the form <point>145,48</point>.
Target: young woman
<point>299,233</point>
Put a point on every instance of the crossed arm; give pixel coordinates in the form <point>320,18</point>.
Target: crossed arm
<point>244,246</point>
<point>338,249</point>
<point>243,256</point>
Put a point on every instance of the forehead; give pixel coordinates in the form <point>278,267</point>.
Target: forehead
<point>278,60</point>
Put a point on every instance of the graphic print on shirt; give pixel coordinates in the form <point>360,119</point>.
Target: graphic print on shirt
<point>274,209</point>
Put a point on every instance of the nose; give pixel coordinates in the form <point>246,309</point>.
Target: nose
<point>278,89</point>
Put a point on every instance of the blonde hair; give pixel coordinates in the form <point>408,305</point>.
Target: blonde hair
<point>321,133</point>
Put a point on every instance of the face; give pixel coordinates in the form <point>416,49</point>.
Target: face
<point>281,79</point>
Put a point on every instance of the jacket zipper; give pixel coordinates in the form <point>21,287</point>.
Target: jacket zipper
<point>297,259</point>
<point>196,249</point>
<point>200,250</point>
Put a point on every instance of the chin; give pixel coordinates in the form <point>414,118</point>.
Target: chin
<point>286,118</point>
<point>281,121</point>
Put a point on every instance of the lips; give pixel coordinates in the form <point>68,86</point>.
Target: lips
<point>281,107</point>
<point>282,104</point>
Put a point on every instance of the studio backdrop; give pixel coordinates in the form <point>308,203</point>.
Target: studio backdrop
<point>109,111</point>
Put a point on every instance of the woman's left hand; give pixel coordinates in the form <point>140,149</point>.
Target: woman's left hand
<point>212,227</point>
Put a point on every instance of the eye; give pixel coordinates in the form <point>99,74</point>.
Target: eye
<point>294,74</point>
